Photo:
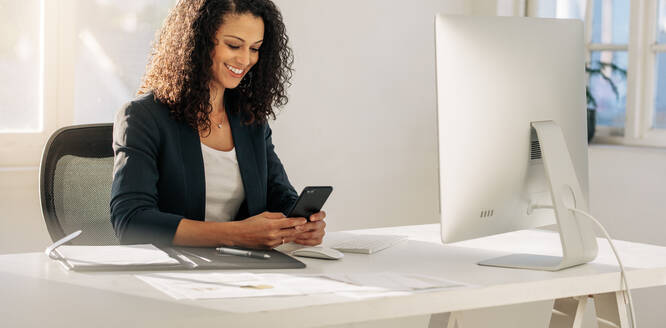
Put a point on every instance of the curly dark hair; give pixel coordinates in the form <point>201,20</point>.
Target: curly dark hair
<point>179,70</point>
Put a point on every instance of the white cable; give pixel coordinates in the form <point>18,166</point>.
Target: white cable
<point>623,277</point>
<point>627,290</point>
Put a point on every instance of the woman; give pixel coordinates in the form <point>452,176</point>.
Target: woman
<point>194,161</point>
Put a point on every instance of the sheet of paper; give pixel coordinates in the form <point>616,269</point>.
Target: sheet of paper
<point>395,281</point>
<point>114,255</point>
<point>194,285</point>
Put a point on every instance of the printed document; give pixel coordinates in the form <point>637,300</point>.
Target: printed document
<point>194,285</point>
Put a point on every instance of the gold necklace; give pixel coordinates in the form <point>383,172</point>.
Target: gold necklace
<point>219,124</point>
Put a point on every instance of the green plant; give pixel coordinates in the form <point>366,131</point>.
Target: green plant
<point>605,71</point>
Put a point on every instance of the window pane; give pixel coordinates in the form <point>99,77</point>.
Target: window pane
<point>561,9</point>
<point>660,96</point>
<point>659,121</point>
<point>609,95</point>
<point>661,25</point>
<point>19,63</point>
<point>112,47</point>
<point>610,22</point>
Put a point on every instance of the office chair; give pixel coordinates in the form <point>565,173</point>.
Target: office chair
<point>75,183</point>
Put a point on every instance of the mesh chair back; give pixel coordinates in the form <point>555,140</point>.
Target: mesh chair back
<point>75,183</point>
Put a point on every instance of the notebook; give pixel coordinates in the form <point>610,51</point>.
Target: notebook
<point>125,257</point>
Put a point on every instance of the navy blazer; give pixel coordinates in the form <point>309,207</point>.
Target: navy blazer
<point>158,172</point>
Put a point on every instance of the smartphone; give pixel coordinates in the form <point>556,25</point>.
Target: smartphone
<point>310,201</point>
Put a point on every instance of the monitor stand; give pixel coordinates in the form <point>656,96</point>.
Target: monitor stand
<point>579,243</point>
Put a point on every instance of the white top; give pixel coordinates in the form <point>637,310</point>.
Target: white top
<point>224,185</point>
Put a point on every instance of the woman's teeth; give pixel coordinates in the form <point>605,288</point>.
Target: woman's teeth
<point>235,70</point>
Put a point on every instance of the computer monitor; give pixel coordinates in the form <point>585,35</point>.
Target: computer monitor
<point>512,132</point>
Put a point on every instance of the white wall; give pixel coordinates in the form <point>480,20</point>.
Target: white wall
<point>628,191</point>
<point>628,195</point>
<point>361,115</point>
<point>22,228</point>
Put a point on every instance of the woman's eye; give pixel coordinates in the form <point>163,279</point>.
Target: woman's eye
<point>255,49</point>
<point>232,46</point>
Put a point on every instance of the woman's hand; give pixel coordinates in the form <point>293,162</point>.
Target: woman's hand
<point>311,233</point>
<point>267,230</point>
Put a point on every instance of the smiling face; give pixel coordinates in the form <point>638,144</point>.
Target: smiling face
<point>238,41</point>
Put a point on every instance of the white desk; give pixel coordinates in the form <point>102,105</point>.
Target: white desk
<point>39,292</point>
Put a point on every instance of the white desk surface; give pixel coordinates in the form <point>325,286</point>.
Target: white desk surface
<point>36,291</point>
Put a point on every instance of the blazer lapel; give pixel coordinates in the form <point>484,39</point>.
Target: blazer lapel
<point>247,163</point>
<point>195,178</point>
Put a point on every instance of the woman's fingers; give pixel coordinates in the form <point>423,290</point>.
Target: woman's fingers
<point>272,215</point>
<point>285,238</point>
<point>318,216</point>
<point>308,242</point>
<point>268,229</point>
<point>288,233</point>
<point>311,233</point>
<point>286,223</point>
<point>296,230</point>
<point>312,237</point>
<point>316,234</point>
<point>310,226</point>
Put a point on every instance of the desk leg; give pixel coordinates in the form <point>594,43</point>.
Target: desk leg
<point>525,315</point>
<point>611,310</point>
<point>447,319</point>
<point>568,312</point>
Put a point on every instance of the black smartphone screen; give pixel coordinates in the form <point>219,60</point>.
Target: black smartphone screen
<point>310,201</point>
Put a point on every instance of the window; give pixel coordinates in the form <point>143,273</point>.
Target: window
<point>111,47</point>
<point>20,108</point>
<point>68,62</point>
<point>626,60</point>
<point>659,48</point>
<point>608,44</point>
<point>25,118</point>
